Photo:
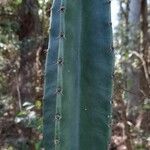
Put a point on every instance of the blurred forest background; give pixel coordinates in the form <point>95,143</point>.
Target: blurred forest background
<point>24,26</point>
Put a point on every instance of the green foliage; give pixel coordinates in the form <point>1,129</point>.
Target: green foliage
<point>29,117</point>
<point>11,49</point>
<point>78,79</point>
<point>146,105</point>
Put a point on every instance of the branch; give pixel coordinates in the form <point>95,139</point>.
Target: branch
<point>144,67</point>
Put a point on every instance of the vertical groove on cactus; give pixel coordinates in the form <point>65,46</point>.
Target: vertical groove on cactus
<point>78,77</point>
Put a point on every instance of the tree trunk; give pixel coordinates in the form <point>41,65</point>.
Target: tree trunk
<point>29,33</point>
<point>145,59</point>
<point>133,72</point>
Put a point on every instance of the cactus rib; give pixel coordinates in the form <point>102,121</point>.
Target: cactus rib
<point>78,86</point>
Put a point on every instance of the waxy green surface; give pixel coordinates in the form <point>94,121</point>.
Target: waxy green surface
<point>78,77</point>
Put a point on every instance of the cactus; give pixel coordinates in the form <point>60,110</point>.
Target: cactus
<point>78,77</point>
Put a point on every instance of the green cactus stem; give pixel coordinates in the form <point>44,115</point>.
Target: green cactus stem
<point>78,77</point>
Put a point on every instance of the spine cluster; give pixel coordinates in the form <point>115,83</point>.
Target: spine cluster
<point>60,64</point>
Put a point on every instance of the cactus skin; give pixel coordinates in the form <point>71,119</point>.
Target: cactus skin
<point>78,78</point>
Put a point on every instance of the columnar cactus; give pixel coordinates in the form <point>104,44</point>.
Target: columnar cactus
<point>78,78</point>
